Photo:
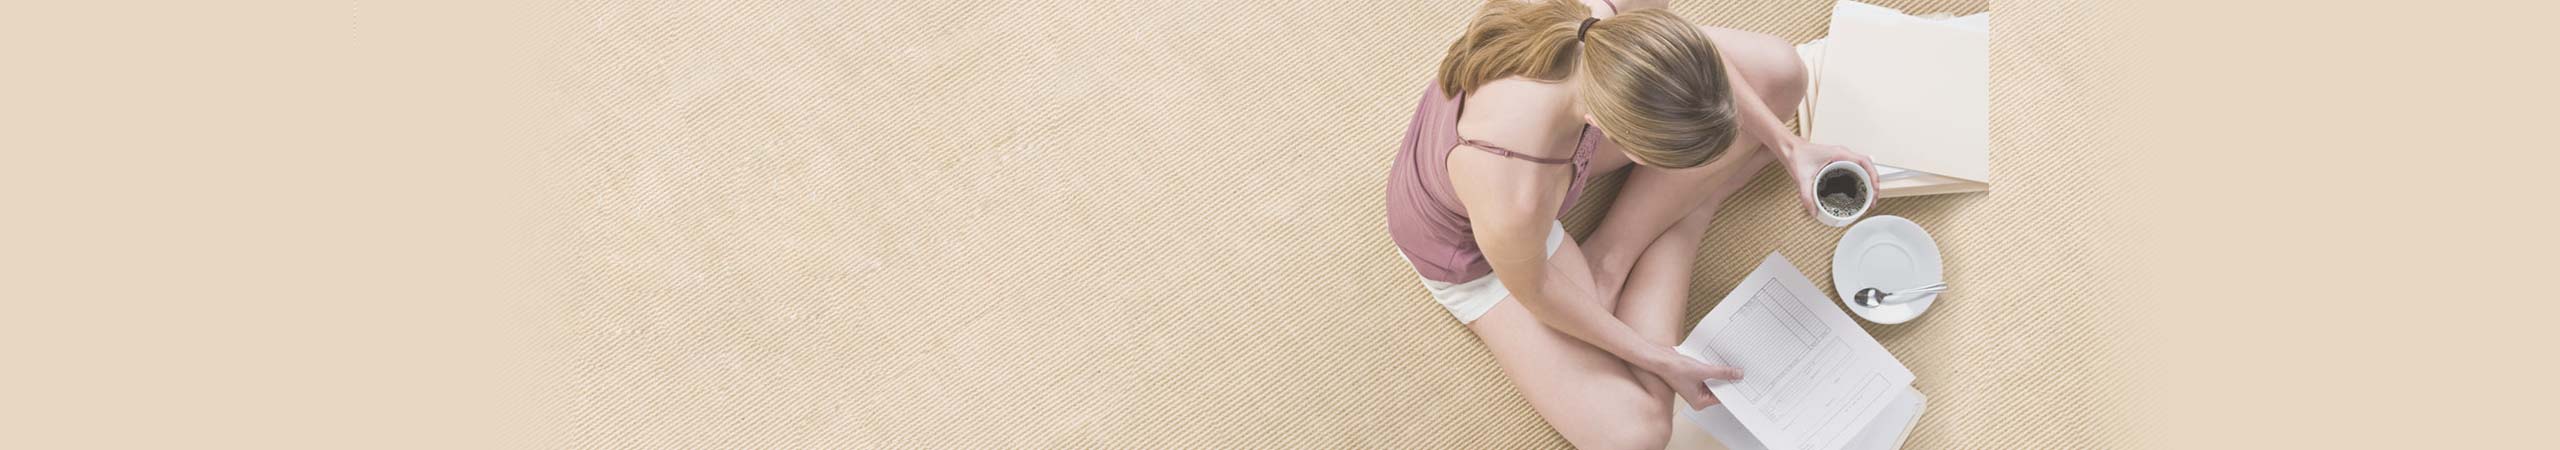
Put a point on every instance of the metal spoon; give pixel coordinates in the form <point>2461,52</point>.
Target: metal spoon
<point>1870,297</point>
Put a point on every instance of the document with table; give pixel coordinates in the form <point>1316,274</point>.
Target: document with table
<point>1812,380</point>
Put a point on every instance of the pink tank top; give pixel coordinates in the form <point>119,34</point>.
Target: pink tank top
<point>1424,216</point>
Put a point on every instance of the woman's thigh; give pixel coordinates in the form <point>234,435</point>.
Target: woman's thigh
<point>1588,395</point>
<point>1654,199</point>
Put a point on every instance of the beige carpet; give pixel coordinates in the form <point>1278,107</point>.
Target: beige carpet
<point>1077,224</point>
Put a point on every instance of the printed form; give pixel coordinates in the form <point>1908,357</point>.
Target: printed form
<point>1811,379</point>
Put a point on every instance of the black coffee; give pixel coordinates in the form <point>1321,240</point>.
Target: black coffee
<point>1840,193</point>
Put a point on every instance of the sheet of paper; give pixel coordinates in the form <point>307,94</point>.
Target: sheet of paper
<point>1889,429</point>
<point>1812,379</point>
<point>1980,21</point>
<point>1893,425</point>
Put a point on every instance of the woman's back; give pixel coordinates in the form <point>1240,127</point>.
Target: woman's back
<point>1424,216</point>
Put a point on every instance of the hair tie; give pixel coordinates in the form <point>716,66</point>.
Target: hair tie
<point>1579,33</point>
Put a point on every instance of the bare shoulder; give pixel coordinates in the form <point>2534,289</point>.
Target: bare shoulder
<point>1493,188</point>
<point>1519,114</point>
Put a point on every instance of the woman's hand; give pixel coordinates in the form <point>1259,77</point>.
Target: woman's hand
<point>1807,158</point>
<point>1688,376</point>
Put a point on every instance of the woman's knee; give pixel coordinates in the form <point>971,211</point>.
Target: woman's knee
<point>1646,428</point>
<point>1777,75</point>
<point>1769,63</point>
<point>1786,83</point>
<point>1652,432</point>
<point>1651,435</point>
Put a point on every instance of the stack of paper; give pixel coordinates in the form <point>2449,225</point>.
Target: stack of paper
<point>1812,380</point>
<point>1912,92</point>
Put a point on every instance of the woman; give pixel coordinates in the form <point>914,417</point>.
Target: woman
<point>1537,97</point>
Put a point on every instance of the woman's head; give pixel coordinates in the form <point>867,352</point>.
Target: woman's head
<point>1649,80</point>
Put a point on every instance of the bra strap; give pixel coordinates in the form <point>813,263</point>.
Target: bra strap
<point>1507,153</point>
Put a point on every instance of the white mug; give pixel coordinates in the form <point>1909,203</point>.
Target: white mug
<point>1866,186</point>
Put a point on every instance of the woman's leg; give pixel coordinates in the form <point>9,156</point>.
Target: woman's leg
<point>1586,394</point>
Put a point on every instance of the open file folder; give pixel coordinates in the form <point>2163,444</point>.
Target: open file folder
<point>1912,92</point>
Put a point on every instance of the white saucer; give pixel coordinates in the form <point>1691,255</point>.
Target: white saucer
<point>1888,253</point>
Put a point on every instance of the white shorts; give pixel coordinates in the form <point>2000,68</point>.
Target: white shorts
<point>1471,299</point>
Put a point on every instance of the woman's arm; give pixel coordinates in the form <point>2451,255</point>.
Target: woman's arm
<point>1560,293</point>
<point>1745,54</point>
<point>1511,227</point>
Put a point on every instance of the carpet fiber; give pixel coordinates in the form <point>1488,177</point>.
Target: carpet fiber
<point>1077,224</point>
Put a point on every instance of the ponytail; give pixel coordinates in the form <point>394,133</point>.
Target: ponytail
<point>1652,82</point>
<point>1526,38</point>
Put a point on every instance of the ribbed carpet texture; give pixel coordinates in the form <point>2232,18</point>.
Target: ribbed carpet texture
<point>1160,224</point>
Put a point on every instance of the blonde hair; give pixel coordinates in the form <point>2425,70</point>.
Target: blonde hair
<point>1650,80</point>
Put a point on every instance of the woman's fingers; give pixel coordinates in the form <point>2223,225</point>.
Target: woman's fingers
<point>1698,396</point>
<point>1697,393</point>
<point>1805,194</point>
<point>1872,174</point>
<point>1804,175</point>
